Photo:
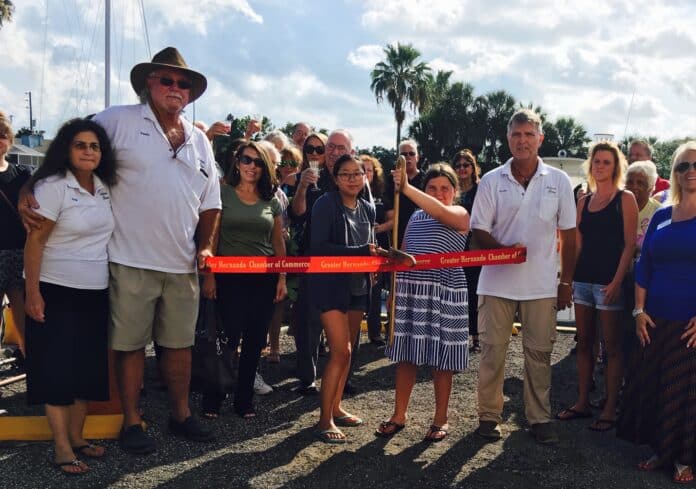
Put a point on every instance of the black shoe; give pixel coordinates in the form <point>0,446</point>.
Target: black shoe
<point>489,430</point>
<point>378,342</point>
<point>308,390</point>
<point>191,429</point>
<point>134,441</point>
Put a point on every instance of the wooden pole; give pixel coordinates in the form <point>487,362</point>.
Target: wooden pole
<point>401,168</point>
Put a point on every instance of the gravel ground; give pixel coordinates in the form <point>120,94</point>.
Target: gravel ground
<point>277,448</point>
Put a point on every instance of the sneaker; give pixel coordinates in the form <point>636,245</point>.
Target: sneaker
<point>489,430</point>
<point>134,440</point>
<point>260,387</point>
<point>191,429</point>
<point>544,433</point>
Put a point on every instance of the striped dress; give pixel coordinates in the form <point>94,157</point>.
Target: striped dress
<point>431,324</point>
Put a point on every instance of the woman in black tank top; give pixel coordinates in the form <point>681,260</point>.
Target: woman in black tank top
<point>605,242</point>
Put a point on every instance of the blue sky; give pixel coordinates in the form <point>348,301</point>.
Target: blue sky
<point>310,60</point>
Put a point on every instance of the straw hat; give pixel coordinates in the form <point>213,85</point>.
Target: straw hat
<point>168,58</point>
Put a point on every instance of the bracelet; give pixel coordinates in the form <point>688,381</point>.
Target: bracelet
<point>565,283</point>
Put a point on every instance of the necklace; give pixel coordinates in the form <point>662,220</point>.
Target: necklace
<point>522,179</point>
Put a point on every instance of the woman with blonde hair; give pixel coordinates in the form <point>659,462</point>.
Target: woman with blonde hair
<point>605,242</point>
<point>659,403</point>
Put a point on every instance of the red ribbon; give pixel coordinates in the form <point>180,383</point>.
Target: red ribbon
<point>351,264</point>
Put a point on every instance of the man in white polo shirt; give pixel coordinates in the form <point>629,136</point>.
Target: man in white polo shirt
<point>522,203</point>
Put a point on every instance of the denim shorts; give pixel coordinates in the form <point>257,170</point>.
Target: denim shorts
<point>591,295</point>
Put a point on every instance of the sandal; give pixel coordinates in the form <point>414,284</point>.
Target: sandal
<point>682,474</point>
<point>431,435</point>
<point>602,425</point>
<point>387,429</point>
<point>348,421</point>
<point>325,436</point>
<point>650,464</point>
<point>81,467</point>
<point>571,413</point>
<point>90,450</point>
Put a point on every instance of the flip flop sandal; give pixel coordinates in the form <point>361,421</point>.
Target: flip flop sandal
<point>682,474</point>
<point>573,414</point>
<point>387,429</point>
<point>348,421</point>
<point>608,425</point>
<point>432,431</point>
<point>74,463</point>
<point>326,438</point>
<point>650,464</point>
<point>84,450</point>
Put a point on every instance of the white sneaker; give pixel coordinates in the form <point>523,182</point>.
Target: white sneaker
<point>260,387</point>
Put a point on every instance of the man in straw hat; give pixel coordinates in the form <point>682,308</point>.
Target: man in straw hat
<point>166,199</point>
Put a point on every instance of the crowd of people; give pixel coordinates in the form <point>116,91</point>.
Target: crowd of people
<point>105,247</point>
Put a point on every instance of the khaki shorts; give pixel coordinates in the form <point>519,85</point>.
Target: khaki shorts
<point>538,318</point>
<point>149,305</point>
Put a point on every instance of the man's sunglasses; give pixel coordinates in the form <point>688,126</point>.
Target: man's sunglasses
<point>684,166</point>
<point>309,149</point>
<point>168,82</point>
<point>407,153</point>
<point>248,160</point>
<point>291,163</point>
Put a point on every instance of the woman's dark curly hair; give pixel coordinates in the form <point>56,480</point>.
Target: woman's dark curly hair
<point>57,160</point>
<point>268,183</point>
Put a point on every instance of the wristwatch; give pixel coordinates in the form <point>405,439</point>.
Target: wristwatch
<point>637,312</point>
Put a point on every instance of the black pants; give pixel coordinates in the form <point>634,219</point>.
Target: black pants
<point>472,279</point>
<point>374,313</point>
<point>307,335</point>
<point>246,307</point>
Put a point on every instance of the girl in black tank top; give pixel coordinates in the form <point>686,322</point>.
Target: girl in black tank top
<point>605,240</point>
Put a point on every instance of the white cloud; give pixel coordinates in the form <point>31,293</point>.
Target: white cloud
<point>200,14</point>
<point>367,56</point>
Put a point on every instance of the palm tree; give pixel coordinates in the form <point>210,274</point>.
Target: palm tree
<point>403,80</point>
<point>6,11</point>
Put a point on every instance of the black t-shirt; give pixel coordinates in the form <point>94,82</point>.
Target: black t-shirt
<point>406,205</point>
<point>12,236</point>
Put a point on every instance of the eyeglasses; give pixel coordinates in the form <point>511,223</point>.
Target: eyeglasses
<point>82,146</point>
<point>684,166</point>
<point>347,177</point>
<point>461,165</point>
<point>248,160</point>
<point>168,82</point>
<point>334,147</point>
<point>407,153</point>
<point>291,163</point>
<point>309,149</point>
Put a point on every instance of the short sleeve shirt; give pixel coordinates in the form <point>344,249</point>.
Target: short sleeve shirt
<point>160,193</point>
<point>75,254</point>
<point>531,216</point>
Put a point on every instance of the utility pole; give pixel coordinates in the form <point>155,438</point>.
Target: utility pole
<point>31,114</point>
<point>107,54</point>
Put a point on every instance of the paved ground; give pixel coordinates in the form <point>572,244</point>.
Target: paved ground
<point>277,449</point>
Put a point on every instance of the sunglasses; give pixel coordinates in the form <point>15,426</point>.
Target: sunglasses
<point>4,135</point>
<point>82,146</point>
<point>408,153</point>
<point>248,160</point>
<point>461,165</point>
<point>684,166</point>
<point>291,163</point>
<point>168,82</point>
<point>309,149</point>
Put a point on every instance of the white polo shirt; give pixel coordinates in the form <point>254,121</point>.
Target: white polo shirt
<point>75,252</point>
<point>159,194</point>
<point>531,216</point>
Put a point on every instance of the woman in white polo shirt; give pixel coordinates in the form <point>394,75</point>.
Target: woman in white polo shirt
<point>66,272</point>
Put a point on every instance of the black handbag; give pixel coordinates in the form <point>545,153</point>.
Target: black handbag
<point>212,366</point>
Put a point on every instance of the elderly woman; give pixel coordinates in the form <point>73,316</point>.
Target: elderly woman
<point>67,278</point>
<point>375,179</point>
<point>251,225</point>
<point>469,173</point>
<point>342,224</point>
<point>660,407</point>
<point>12,177</point>
<point>605,243</point>
<point>431,325</point>
<point>640,180</point>
<point>279,139</point>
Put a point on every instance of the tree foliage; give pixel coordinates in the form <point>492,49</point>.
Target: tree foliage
<point>402,80</point>
<point>6,12</point>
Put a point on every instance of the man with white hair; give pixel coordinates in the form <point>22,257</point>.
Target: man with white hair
<point>408,148</point>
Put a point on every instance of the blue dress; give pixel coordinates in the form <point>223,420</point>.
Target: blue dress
<point>431,324</point>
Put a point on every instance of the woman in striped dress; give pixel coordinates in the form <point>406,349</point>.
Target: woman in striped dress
<point>431,326</point>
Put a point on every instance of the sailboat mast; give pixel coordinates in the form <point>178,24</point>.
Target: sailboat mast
<point>107,53</point>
